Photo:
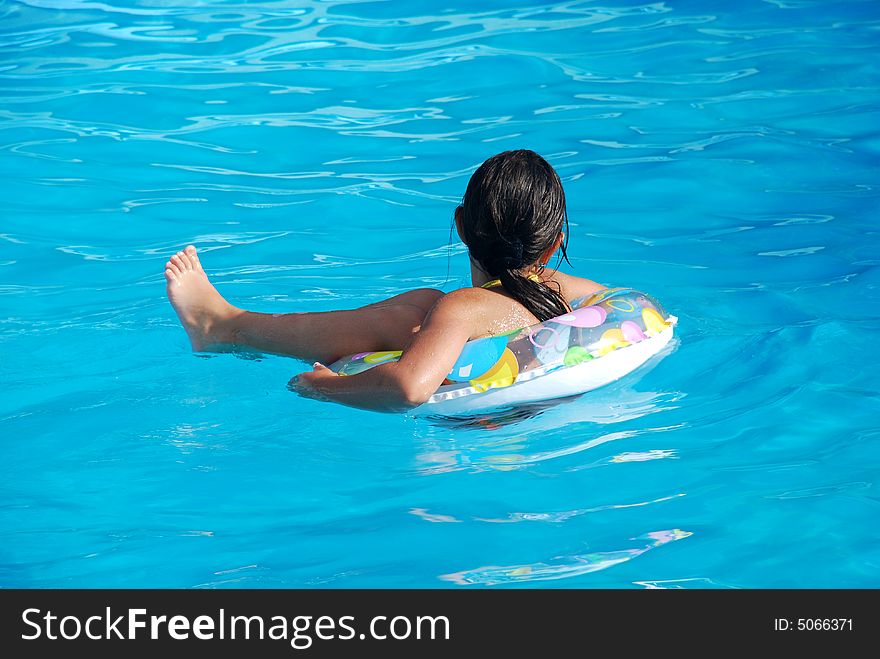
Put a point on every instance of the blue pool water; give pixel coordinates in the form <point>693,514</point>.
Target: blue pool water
<point>722,156</point>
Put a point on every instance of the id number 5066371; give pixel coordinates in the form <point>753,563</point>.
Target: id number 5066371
<point>812,624</point>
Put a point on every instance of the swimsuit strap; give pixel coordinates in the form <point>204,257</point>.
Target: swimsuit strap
<point>497,282</point>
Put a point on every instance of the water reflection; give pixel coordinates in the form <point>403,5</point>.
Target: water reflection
<point>563,567</point>
<point>528,436</point>
<point>551,517</point>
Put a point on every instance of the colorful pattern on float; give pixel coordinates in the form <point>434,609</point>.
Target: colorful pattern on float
<point>597,325</point>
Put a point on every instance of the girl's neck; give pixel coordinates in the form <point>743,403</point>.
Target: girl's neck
<point>479,277</point>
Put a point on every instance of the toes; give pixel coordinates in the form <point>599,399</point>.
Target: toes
<point>185,260</point>
<point>179,261</point>
<point>172,267</point>
<point>193,257</point>
<point>170,276</point>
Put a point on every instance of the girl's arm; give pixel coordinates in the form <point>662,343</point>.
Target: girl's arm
<point>409,382</point>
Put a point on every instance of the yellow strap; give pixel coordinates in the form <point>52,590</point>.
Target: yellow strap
<point>497,282</point>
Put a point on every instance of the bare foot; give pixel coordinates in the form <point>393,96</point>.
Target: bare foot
<point>203,312</point>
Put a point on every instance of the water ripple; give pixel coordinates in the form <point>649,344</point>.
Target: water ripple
<point>564,567</point>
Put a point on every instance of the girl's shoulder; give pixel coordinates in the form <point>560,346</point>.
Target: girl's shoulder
<point>484,311</point>
<point>472,300</point>
<point>463,299</point>
<point>574,287</point>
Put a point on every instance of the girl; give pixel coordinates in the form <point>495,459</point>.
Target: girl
<point>512,220</point>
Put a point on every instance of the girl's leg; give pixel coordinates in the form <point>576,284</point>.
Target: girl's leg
<point>212,323</point>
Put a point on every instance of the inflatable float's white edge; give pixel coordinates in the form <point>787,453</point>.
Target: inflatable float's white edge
<point>561,383</point>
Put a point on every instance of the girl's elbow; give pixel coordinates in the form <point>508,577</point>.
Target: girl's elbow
<point>405,389</point>
<point>412,395</point>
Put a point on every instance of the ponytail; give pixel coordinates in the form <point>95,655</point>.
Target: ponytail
<point>539,298</point>
<point>505,261</point>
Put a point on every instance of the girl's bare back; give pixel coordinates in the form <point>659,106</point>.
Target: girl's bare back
<point>496,312</point>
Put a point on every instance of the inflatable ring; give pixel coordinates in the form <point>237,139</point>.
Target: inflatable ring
<point>605,336</point>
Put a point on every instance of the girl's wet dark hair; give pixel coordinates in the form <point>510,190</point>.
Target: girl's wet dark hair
<point>514,210</point>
